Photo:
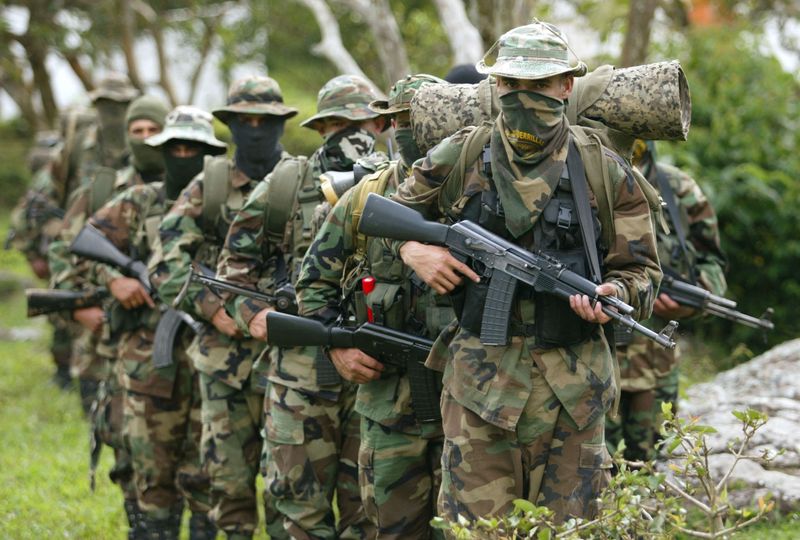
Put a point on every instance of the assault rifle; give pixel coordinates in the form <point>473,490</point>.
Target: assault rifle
<point>700,299</point>
<point>284,298</point>
<point>92,244</point>
<point>46,301</point>
<point>405,352</point>
<point>504,263</point>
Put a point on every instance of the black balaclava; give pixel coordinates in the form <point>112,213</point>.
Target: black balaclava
<point>112,128</point>
<point>258,149</point>
<point>181,170</point>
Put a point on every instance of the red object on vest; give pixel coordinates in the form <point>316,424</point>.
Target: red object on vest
<point>367,286</point>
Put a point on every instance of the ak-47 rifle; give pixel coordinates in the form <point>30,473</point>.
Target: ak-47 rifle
<point>504,263</point>
<point>46,301</point>
<point>700,299</point>
<point>406,352</point>
<point>284,298</point>
<point>93,244</point>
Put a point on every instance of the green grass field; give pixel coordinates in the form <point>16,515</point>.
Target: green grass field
<point>44,486</point>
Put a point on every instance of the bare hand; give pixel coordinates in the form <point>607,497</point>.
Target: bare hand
<point>40,268</point>
<point>582,304</point>
<point>225,324</point>
<point>130,293</point>
<point>436,266</point>
<point>258,324</point>
<point>91,318</point>
<point>355,365</point>
<point>667,308</point>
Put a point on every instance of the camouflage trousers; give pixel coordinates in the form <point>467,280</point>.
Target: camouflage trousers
<point>90,367</point>
<point>312,452</point>
<point>399,475</point>
<point>164,438</point>
<point>231,448</point>
<point>547,460</point>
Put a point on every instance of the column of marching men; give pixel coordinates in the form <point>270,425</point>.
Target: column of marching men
<point>343,442</point>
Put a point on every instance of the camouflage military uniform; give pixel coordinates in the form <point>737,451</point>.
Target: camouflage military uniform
<point>649,373</point>
<point>399,457</point>
<point>311,430</point>
<point>231,390</point>
<point>526,420</point>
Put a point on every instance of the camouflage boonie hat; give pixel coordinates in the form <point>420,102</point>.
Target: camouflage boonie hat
<point>187,123</point>
<point>345,96</point>
<point>255,94</point>
<point>115,87</point>
<point>402,91</point>
<point>534,51</point>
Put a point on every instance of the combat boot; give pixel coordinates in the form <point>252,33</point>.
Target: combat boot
<point>167,528</point>
<point>201,527</point>
<point>136,526</point>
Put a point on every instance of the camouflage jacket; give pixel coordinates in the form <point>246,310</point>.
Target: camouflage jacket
<point>130,220</point>
<point>496,382</point>
<point>328,288</point>
<point>185,239</point>
<point>642,363</point>
<point>36,218</point>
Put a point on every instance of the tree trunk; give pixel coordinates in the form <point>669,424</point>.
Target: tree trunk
<point>496,17</point>
<point>637,38</point>
<point>77,67</point>
<point>465,40</point>
<point>127,42</point>
<point>209,32</point>
<point>331,46</point>
<point>389,42</point>
<point>20,94</point>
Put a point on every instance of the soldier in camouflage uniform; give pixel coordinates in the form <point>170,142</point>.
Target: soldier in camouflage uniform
<point>400,455</point>
<point>144,117</point>
<point>311,430</point>
<point>232,391</point>
<point>691,251</point>
<point>161,404</point>
<point>526,420</point>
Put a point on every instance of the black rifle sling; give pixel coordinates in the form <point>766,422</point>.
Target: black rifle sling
<point>580,195</point>
<point>668,194</point>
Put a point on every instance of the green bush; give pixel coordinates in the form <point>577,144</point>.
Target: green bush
<point>14,174</point>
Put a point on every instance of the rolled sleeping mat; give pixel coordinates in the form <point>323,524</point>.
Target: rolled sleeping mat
<point>650,101</point>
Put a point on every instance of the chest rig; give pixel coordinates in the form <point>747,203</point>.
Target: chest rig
<point>568,229</point>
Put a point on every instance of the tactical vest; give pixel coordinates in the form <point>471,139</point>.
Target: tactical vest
<point>557,232</point>
<point>220,204</point>
<point>102,186</point>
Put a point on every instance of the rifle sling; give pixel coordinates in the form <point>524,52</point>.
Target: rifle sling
<point>668,194</point>
<point>580,195</point>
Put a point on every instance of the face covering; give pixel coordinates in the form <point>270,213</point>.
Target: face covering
<point>535,124</point>
<point>258,148</point>
<point>343,148</point>
<point>181,170</point>
<point>112,130</point>
<point>408,146</point>
<point>147,160</point>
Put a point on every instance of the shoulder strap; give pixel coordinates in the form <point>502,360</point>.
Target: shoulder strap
<point>216,186</point>
<point>374,183</point>
<point>591,153</point>
<point>472,149</point>
<point>284,183</point>
<point>102,188</point>
<point>668,194</point>
<point>580,194</point>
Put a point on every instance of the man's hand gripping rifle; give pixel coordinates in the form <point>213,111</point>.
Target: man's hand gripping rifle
<point>504,263</point>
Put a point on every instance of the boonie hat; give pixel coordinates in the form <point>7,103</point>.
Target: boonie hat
<point>402,91</point>
<point>187,123</point>
<point>115,87</point>
<point>345,96</point>
<point>534,51</point>
<point>255,94</point>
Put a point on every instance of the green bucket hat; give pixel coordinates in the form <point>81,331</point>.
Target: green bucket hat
<point>115,87</point>
<point>345,96</point>
<point>534,51</point>
<point>187,123</point>
<point>402,91</point>
<point>255,94</point>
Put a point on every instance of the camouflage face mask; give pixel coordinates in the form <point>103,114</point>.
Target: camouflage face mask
<point>535,124</point>
<point>343,148</point>
<point>147,160</point>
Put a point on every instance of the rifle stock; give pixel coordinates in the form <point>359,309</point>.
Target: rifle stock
<point>92,244</point>
<point>46,301</point>
<point>503,262</point>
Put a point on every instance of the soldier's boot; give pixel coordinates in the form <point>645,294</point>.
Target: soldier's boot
<point>201,527</point>
<point>239,536</point>
<point>62,378</point>
<point>167,528</point>
<point>136,519</point>
<point>88,389</point>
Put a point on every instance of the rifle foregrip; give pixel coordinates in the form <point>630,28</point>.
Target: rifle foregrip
<point>497,310</point>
